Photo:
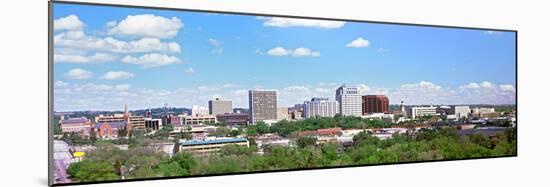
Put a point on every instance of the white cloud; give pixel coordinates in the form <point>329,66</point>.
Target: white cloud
<point>146,25</point>
<point>71,22</point>
<point>84,59</point>
<point>60,84</point>
<point>298,52</point>
<point>117,75</point>
<point>474,85</point>
<point>278,51</point>
<point>471,85</point>
<point>113,97</point>
<point>214,42</point>
<point>294,22</point>
<point>78,74</point>
<point>421,84</point>
<point>151,60</point>
<point>491,32</point>
<point>507,87</point>
<point>486,84</point>
<point>296,89</point>
<point>189,71</point>
<point>363,88</point>
<point>358,43</point>
<point>79,40</point>
<point>217,44</point>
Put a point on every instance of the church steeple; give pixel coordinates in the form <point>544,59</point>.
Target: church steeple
<point>126,109</point>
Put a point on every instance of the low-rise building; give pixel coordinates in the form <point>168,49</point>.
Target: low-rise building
<point>81,126</point>
<point>419,111</point>
<point>210,145</point>
<point>109,130</point>
<point>381,116</point>
<point>153,124</point>
<point>197,119</point>
<point>233,119</point>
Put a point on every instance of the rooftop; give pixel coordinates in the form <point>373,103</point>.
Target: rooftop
<point>201,142</point>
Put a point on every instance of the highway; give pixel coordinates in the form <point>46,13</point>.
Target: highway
<point>62,158</point>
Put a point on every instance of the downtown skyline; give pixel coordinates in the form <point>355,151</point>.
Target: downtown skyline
<point>102,62</point>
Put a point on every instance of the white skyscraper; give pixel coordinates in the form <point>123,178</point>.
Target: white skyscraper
<point>349,99</point>
<point>320,107</point>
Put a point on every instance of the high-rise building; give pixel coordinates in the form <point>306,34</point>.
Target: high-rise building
<point>349,99</point>
<point>199,111</point>
<point>375,104</point>
<point>320,107</point>
<point>218,106</point>
<point>262,105</point>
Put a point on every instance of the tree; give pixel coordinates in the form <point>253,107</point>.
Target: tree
<point>122,133</point>
<point>93,136</point>
<point>306,141</point>
<point>251,131</point>
<point>184,160</point>
<point>89,170</point>
<point>262,127</point>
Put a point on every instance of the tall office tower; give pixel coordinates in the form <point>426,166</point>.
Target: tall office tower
<point>262,105</point>
<point>320,107</point>
<point>375,104</point>
<point>218,106</point>
<point>349,99</point>
<point>199,111</point>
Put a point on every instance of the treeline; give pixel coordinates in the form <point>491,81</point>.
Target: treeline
<point>286,128</point>
<point>110,163</point>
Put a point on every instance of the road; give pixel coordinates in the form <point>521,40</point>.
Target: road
<point>62,158</point>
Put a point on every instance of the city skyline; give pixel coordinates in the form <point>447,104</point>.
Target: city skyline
<point>105,61</point>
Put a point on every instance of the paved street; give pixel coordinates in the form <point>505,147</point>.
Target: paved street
<point>62,158</point>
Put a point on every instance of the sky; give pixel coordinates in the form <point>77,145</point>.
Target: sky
<point>105,57</point>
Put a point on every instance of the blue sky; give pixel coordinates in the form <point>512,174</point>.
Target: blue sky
<point>198,56</point>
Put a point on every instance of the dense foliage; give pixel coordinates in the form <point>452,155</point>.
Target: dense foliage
<point>286,128</point>
<point>108,162</point>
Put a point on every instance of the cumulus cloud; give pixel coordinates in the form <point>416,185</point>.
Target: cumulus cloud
<point>507,87</point>
<point>358,43</point>
<point>146,25</point>
<point>117,75</point>
<point>278,51</point>
<point>60,84</point>
<point>78,74</point>
<point>84,59</point>
<point>151,60</point>
<point>421,84</point>
<point>298,52</point>
<point>294,22</point>
<point>79,40</point>
<point>486,84</point>
<point>70,22</point>
<point>471,85</point>
<point>105,96</point>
